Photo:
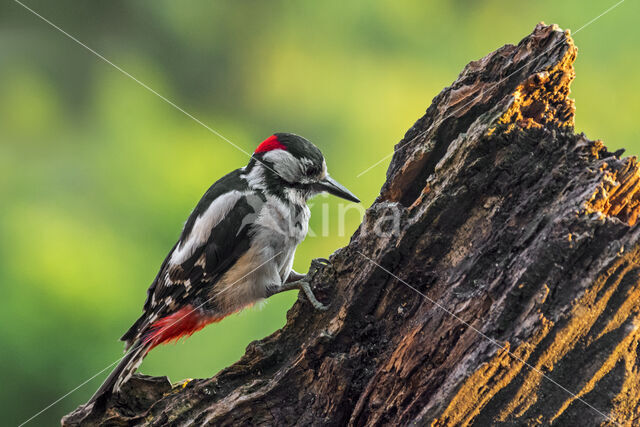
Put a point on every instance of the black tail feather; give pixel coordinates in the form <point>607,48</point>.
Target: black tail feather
<point>134,331</point>
<point>127,366</point>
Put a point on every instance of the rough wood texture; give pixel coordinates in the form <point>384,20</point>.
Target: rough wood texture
<point>518,239</point>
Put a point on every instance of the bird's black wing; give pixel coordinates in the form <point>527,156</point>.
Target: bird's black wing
<point>190,281</point>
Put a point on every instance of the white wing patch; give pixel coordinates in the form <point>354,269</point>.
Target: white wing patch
<point>203,225</point>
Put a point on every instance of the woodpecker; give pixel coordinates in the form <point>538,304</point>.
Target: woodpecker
<point>236,248</point>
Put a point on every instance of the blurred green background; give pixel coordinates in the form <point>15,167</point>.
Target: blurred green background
<point>97,174</point>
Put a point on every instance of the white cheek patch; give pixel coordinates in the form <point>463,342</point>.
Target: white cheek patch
<point>203,225</point>
<point>285,165</point>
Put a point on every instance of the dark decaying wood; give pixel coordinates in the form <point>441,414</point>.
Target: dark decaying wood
<point>520,242</point>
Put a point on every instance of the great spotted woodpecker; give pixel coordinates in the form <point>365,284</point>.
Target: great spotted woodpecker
<point>236,248</point>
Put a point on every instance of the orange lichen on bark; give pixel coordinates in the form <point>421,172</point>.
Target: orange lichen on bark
<point>488,380</point>
<point>621,350</point>
<point>580,323</point>
<point>626,403</point>
<point>618,194</point>
<point>495,375</point>
<point>543,99</point>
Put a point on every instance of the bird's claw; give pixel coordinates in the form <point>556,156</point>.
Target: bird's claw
<point>316,264</point>
<point>303,284</point>
<point>304,287</point>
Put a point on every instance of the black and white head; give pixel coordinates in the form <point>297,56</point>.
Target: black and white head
<point>286,164</point>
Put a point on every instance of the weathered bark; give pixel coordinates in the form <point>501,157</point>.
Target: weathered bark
<point>508,294</point>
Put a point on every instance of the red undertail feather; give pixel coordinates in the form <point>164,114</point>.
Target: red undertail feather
<point>182,323</point>
<point>269,144</point>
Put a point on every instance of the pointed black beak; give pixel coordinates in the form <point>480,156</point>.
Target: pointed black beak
<point>332,186</point>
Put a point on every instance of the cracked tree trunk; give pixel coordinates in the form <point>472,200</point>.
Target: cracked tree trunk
<point>507,292</point>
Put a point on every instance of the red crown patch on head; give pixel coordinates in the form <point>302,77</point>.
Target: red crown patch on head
<point>269,144</point>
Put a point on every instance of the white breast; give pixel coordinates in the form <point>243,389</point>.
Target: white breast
<point>276,233</point>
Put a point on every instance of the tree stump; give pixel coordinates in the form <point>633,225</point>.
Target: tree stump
<point>495,280</point>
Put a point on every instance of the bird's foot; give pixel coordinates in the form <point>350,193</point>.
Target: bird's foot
<point>306,288</point>
<point>304,283</point>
